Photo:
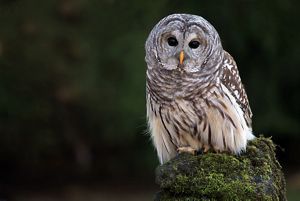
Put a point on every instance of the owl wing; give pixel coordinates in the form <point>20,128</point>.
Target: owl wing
<point>231,79</point>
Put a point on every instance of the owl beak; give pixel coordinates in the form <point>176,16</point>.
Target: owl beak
<point>181,57</point>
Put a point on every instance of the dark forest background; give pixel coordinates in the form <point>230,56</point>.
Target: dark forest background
<point>72,91</point>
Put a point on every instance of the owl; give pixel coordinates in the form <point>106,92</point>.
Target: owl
<point>194,94</point>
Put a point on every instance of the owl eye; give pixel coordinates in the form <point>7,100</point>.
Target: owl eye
<point>194,44</point>
<point>172,41</point>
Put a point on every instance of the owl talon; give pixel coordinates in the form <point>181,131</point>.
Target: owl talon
<point>206,149</point>
<point>218,151</point>
<point>189,150</point>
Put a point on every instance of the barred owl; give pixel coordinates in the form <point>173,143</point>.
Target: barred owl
<point>195,97</point>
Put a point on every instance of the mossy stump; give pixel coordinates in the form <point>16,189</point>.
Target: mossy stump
<point>253,175</point>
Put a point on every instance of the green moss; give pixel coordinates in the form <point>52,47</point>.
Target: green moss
<point>253,175</point>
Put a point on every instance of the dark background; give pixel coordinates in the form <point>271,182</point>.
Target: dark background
<point>72,91</point>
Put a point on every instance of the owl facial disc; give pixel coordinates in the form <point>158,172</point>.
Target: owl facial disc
<point>183,42</point>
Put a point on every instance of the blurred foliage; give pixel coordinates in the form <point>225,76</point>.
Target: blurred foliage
<point>72,78</point>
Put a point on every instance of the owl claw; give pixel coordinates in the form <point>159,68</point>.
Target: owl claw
<point>218,151</point>
<point>189,150</point>
<point>206,149</point>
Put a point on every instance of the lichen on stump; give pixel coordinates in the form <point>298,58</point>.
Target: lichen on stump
<point>253,175</point>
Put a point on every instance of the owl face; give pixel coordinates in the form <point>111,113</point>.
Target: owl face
<point>182,42</point>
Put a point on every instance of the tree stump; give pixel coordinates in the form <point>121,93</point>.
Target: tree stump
<point>253,175</point>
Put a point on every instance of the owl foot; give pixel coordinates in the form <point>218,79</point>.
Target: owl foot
<point>206,149</point>
<point>189,150</point>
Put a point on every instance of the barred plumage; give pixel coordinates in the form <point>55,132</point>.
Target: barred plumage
<point>198,102</point>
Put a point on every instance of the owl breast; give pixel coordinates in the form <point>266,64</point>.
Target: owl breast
<point>213,120</point>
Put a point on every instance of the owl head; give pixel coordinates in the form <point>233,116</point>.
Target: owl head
<point>183,42</point>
